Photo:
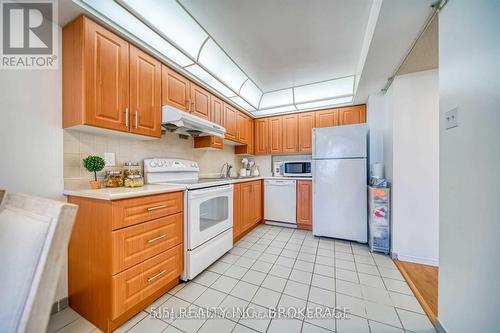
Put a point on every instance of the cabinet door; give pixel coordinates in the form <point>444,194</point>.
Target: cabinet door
<point>247,206</point>
<point>175,89</point>
<point>107,78</point>
<point>242,128</point>
<point>200,102</point>
<point>306,124</point>
<point>352,115</point>
<point>257,201</point>
<point>250,143</point>
<point>290,134</point>
<point>261,136</point>
<point>275,135</point>
<point>237,226</point>
<point>216,111</point>
<point>327,118</point>
<point>145,93</point>
<point>304,204</point>
<point>230,120</point>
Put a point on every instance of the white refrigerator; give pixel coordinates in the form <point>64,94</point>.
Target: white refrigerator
<point>340,182</point>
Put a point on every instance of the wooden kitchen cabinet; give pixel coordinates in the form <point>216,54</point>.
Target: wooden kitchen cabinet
<point>306,124</point>
<point>200,101</point>
<point>275,135</point>
<point>108,83</point>
<point>230,121</point>
<point>145,93</point>
<point>213,142</point>
<point>247,207</point>
<point>95,76</point>
<point>261,136</point>
<point>216,111</point>
<point>304,204</point>
<point>352,115</point>
<point>327,118</point>
<point>176,89</point>
<point>123,255</point>
<point>248,148</point>
<point>290,133</point>
<point>242,131</point>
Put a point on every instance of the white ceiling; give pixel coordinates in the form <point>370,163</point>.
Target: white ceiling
<point>273,56</point>
<point>284,43</point>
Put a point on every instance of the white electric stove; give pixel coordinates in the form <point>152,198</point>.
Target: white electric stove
<point>208,211</point>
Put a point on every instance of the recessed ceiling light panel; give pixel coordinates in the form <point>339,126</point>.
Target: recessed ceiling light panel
<point>272,111</point>
<point>276,98</point>
<point>251,93</point>
<point>326,89</point>
<point>204,76</point>
<point>214,59</point>
<point>324,103</point>
<point>242,103</point>
<point>134,28</point>
<point>171,21</point>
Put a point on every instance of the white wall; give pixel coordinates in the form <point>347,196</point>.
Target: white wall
<point>469,74</point>
<point>415,100</point>
<point>404,135</point>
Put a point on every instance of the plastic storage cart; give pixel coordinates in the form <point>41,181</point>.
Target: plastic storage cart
<point>379,219</point>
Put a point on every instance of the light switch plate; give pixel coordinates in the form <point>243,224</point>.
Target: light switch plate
<point>109,159</point>
<point>451,118</point>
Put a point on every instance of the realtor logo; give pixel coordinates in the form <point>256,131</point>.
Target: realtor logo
<point>29,34</point>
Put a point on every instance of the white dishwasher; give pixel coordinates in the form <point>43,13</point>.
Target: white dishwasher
<point>280,201</point>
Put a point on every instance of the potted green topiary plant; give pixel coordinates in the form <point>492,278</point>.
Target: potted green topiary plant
<point>94,164</point>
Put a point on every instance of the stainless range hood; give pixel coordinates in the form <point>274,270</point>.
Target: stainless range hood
<point>178,121</point>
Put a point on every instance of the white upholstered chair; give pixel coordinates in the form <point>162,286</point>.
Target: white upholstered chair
<point>34,235</point>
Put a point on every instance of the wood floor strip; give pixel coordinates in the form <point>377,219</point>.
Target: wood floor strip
<point>422,280</point>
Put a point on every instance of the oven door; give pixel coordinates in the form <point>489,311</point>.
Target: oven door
<point>210,212</point>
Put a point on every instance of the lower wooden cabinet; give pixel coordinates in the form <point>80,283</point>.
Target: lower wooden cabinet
<point>247,207</point>
<point>304,204</point>
<point>123,255</point>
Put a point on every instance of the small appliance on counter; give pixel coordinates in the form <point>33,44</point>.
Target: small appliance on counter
<point>277,169</point>
<point>297,168</point>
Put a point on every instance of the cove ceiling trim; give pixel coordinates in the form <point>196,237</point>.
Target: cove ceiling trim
<point>170,30</point>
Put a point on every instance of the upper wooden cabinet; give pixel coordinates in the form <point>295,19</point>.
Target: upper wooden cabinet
<point>275,135</point>
<point>261,136</point>
<point>242,131</point>
<point>145,93</point>
<point>108,83</point>
<point>200,102</point>
<point>304,204</point>
<point>306,124</point>
<point>290,133</point>
<point>327,118</point>
<point>217,111</point>
<point>230,121</point>
<point>176,89</point>
<point>352,115</point>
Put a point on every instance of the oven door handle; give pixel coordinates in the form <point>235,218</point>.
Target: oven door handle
<point>210,191</point>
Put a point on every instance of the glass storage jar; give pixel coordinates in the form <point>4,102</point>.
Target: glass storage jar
<point>134,181</point>
<point>113,178</point>
<point>131,168</point>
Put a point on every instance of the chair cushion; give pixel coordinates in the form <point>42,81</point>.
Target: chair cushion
<point>22,238</point>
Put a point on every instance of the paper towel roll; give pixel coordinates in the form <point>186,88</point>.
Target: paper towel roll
<point>377,170</point>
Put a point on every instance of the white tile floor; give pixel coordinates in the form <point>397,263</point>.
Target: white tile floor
<point>274,266</point>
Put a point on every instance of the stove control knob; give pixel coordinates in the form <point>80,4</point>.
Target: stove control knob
<point>152,164</point>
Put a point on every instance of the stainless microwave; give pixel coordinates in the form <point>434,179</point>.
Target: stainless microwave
<point>297,169</point>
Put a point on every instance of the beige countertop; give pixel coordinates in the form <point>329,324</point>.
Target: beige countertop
<point>122,192</point>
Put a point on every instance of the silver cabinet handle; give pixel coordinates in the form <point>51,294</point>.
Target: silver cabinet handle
<point>136,119</point>
<point>152,240</point>
<point>126,117</point>
<point>156,276</point>
<point>156,207</point>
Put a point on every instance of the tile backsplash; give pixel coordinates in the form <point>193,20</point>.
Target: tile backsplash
<point>78,145</point>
